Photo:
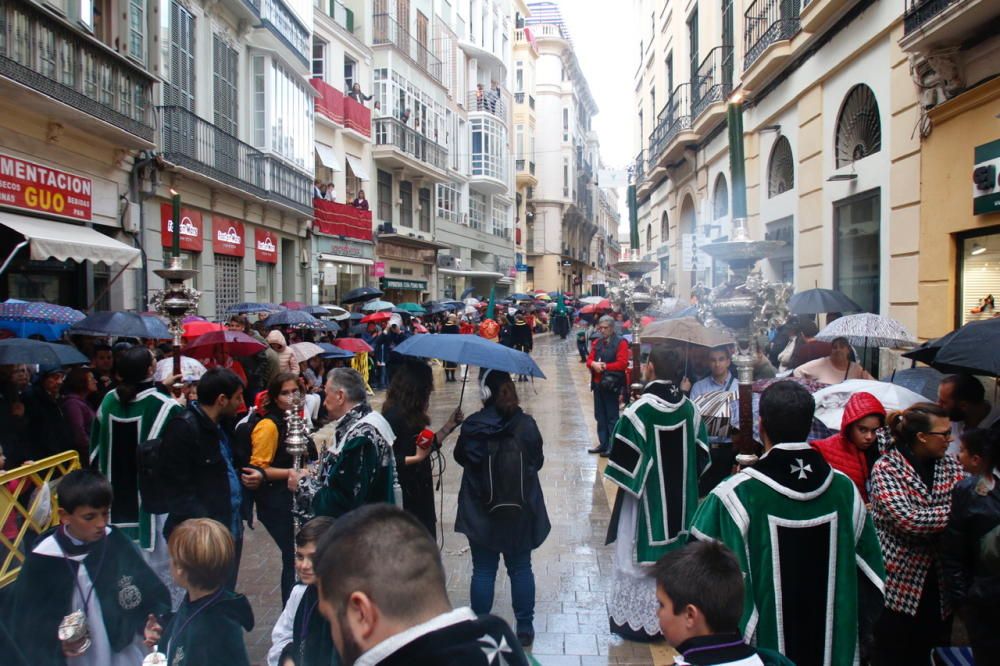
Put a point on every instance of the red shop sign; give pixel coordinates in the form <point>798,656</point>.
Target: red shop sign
<point>266,246</point>
<point>190,228</point>
<point>227,236</point>
<point>36,187</point>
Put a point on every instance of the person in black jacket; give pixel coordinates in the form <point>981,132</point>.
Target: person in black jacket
<point>48,431</point>
<point>971,581</point>
<point>199,462</point>
<point>392,606</point>
<point>521,338</point>
<point>512,532</point>
<point>405,408</point>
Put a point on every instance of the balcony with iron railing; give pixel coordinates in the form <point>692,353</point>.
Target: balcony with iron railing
<point>195,144</point>
<point>341,109</point>
<point>714,80</point>
<point>387,31</point>
<point>674,129</point>
<point>769,27</point>
<point>418,148</point>
<point>79,80</point>
<point>484,100</point>
<point>339,12</point>
<point>933,24</point>
<point>519,98</point>
<point>525,166</point>
<point>283,24</point>
<point>639,168</point>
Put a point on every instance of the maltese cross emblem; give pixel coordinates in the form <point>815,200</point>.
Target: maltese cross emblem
<point>802,469</point>
<point>493,650</point>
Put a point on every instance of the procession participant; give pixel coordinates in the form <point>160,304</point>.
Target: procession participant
<point>659,449</point>
<point>302,631</point>
<point>208,628</point>
<point>358,468</point>
<point>854,449</point>
<point>807,548</point>
<point>450,327</point>
<point>394,611</point>
<point>607,362</point>
<point>86,575</point>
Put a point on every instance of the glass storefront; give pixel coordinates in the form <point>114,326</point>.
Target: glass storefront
<point>857,249</point>
<point>978,276</point>
<point>337,279</point>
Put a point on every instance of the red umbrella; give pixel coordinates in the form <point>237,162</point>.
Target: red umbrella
<point>235,343</point>
<point>376,317</point>
<point>594,308</point>
<point>356,345</point>
<point>195,328</point>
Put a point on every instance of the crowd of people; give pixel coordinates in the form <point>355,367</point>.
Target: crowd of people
<point>864,545</point>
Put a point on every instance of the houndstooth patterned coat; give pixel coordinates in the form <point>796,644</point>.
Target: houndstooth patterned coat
<point>909,518</point>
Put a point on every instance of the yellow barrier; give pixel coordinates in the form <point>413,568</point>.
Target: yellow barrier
<point>360,363</point>
<point>17,487</point>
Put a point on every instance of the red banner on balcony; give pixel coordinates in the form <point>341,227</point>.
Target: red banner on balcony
<point>227,236</point>
<point>337,219</point>
<point>190,228</point>
<point>330,101</point>
<point>39,188</point>
<point>357,117</point>
<point>265,246</point>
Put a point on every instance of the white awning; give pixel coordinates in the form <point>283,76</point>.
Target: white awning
<point>49,239</point>
<point>327,157</point>
<point>470,273</point>
<point>337,259</point>
<point>358,167</point>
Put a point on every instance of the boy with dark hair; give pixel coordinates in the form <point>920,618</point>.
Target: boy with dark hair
<point>302,633</point>
<point>700,591</point>
<point>85,590</point>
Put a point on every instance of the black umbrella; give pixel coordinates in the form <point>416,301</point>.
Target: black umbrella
<point>361,294</point>
<point>118,324</point>
<point>971,349</point>
<point>296,318</point>
<point>815,301</point>
<point>15,351</point>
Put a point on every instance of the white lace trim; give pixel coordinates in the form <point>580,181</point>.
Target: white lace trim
<point>632,601</point>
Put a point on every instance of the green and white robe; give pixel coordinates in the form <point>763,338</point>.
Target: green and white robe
<point>115,435</point>
<point>808,551</point>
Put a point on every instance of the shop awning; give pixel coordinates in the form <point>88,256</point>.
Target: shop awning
<point>470,273</point>
<point>337,259</point>
<point>327,157</point>
<point>49,239</point>
<point>357,166</point>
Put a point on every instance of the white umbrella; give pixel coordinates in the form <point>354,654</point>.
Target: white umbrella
<point>591,300</point>
<point>377,306</point>
<point>868,330</point>
<point>472,301</point>
<point>191,370</point>
<point>303,351</point>
<point>831,400</point>
<point>337,313</point>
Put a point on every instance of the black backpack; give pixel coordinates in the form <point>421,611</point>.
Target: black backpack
<point>505,474</point>
<point>153,487</point>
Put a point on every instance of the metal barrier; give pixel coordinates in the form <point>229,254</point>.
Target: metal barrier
<point>18,500</point>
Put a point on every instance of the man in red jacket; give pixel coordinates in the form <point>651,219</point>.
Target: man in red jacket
<point>854,449</point>
<point>608,362</point>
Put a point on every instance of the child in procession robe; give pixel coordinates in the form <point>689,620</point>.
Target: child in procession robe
<point>89,569</point>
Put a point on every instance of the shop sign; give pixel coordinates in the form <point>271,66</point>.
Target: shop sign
<point>985,179</point>
<point>265,246</point>
<point>378,269</point>
<point>190,228</point>
<point>406,285</point>
<point>522,268</point>
<point>227,236</point>
<point>39,188</point>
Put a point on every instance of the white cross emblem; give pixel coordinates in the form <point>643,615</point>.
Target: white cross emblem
<point>491,649</point>
<point>802,468</point>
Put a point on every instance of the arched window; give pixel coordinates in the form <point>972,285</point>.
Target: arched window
<point>649,237</point>
<point>720,200</point>
<point>859,127</point>
<point>664,228</point>
<point>780,168</point>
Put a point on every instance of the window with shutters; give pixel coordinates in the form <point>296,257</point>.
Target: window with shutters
<point>425,209</point>
<point>224,76</point>
<point>405,203</point>
<point>137,30</point>
<point>179,86</point>
<point>258,100</point>
<point>228,282</point>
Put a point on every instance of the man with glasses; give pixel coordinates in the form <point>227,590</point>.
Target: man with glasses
<point>607,361</point>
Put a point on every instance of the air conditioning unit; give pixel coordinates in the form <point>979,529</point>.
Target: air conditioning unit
<point>386,228</point>
<point>447,261</point>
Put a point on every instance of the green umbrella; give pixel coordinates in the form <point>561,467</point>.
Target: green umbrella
<point>412,308</point>
<point>492,306</point>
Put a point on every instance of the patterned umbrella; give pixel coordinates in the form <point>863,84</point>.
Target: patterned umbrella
<point>245,308</point>
<point>295,318</point>
<point>191,370</point>
<point>868,330</point>
<point>376,306</point>
<point>41,313</point>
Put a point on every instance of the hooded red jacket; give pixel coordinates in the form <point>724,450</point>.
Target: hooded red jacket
<point>840,452</point>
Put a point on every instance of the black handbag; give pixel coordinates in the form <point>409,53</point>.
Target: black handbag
<point>612,380</point>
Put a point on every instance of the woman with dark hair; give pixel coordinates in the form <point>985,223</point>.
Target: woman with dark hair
<point>496,522</point>
<point>79,385</point>
<point>405,408</point>
<point>911,500</point>
<point>270,463</point>
<point>854,449</point>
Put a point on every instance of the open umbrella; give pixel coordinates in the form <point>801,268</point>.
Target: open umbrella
<point>24,319</point>
<point>356,345</point>
<point>412,308</point>
<point>191,370</point>
<point>522,297</point>
<point>246,308</point>
<point>360,295</point>
<point>376,305</point>
<point>971,349</point>
<point>376,317</point>
<point>195,329</point>
<point>686,329</point>
<point>14,351</point>
<point>473,301</point>
<point>602,305</point>
<point>116,324</point>
<point>295,318</point>
<point>235,343</point>
<point>542,297</point>
<point>303,351</point>
<point>868,330</point>
<point>336,312</point>
<point>924,381</point>
<point>155,328</point>
<point>592,300</point>
<point>830,401</point>
<point>815,301</point>
<point>333,351</point>
<point>470,350</point>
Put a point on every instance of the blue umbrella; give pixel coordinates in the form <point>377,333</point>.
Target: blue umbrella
<point>333,351</point>
<point>924,381</point>
<point>155,328</point>
<point>14,351</point>
<point>116,324</point>
<point>357,316</point>
<point>25,319</point>
<point>522,297</point>
<point>377,306</point>
<point>296,318</point>
<point>245,308</point>
<point>470,350</point>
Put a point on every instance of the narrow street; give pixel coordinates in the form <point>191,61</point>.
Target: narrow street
<point>572,569</point>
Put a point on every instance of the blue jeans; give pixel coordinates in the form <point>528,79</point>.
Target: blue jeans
<point>606,413</point>
<point>485,563</point>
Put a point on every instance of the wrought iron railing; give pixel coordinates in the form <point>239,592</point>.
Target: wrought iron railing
<point>767,22</point>
<point>288,185</point>
<point>385,30</point>
<point>42,53</point>
<point>714,81</point>
<point>672,120</point>
<point>392,132</point>
<point>485,100</point>
<point>640,167</point>
<point>920,12</point>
